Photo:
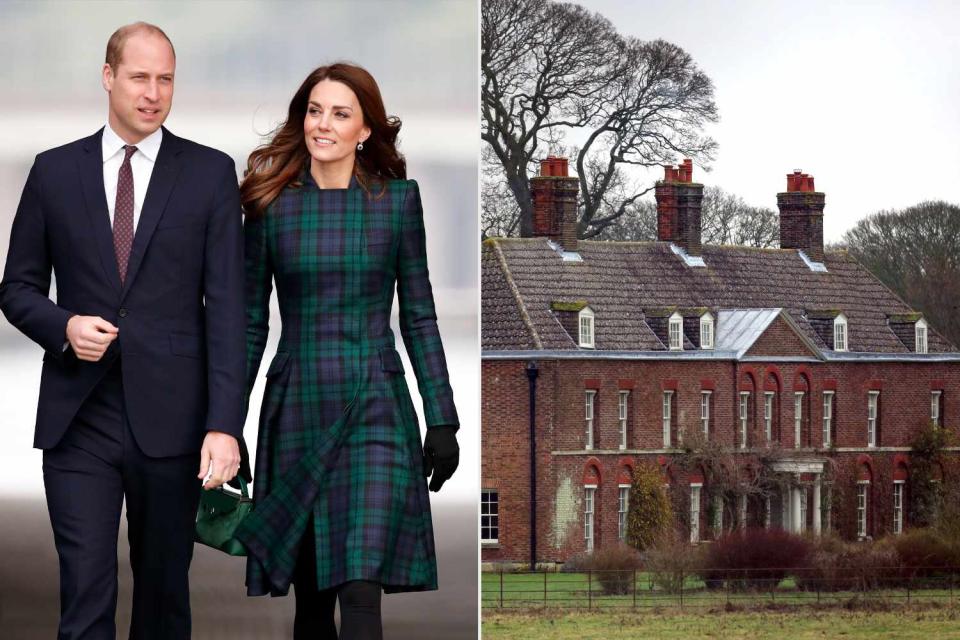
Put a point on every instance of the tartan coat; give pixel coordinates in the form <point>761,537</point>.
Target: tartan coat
<point>339,439</point>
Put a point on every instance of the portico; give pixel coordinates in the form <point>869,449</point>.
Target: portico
<point>804,475</point>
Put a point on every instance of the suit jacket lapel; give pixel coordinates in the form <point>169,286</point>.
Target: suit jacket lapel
<point>162,179</point>
<point>91,178</point>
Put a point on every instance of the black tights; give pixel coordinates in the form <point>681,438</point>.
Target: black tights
<point>359,603</point>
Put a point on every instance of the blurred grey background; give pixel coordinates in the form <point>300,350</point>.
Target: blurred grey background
<point>238,64</point>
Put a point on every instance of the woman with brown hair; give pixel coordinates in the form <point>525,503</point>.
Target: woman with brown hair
<point>341,503</point>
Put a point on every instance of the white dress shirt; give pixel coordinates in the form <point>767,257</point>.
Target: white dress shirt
<point>141,164</point>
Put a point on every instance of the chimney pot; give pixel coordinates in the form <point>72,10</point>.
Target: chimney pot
<point>801,216</point>
<point>679,208</point>
<point>554,195</point>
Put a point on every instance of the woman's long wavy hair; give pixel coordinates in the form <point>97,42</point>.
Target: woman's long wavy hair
<point>279,163</point>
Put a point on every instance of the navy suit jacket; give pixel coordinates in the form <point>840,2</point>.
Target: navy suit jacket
<point>180,312</point>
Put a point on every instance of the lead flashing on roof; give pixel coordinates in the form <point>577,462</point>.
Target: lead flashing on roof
<point>817,267</point>
<point>566,256</point>
<point>690,261</point>
<point>571,354</point>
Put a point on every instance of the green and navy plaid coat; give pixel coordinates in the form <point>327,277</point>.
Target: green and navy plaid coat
<point>339,439</point>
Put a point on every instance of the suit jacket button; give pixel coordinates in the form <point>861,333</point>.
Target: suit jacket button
<point>122,313</point>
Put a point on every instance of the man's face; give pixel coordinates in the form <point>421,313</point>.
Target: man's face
<point>141,88</point>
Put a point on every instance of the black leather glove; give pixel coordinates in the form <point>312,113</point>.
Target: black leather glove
<point>441,454</point>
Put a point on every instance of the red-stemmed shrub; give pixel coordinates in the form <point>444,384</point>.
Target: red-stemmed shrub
<point>753,558</point>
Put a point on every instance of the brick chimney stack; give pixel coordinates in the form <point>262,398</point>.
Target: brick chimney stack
<point>678,207</point>
<point>801,216</point>
<point>555,203</point>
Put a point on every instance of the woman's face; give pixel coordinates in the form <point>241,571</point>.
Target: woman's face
<point>334,123</point>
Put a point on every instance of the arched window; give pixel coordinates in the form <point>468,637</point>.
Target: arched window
<point>899,497</point>
<point>591,482</point>
<point>921,336</point>
<point>586,318</point>
<point>840,342</point>
<point>771,408</point>
<point>675,332</point>
<point>706,331</point>
<point>801,412</point>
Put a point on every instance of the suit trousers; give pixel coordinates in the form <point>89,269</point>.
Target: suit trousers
<point>87,476</point>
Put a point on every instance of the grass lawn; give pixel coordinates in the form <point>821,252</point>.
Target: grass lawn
<point>902,623</point>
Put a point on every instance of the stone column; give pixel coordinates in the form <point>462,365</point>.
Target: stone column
<point>816,504</point>
<point>795,509</point>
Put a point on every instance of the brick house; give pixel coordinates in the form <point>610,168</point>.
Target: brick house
<point>599,356</point>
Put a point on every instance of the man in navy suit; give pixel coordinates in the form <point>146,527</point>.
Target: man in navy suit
<point>144,346</point>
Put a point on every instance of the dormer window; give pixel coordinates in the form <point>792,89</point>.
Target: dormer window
<point>706,331</point>
<point>586,328</point>
<point>676,332</point>
<point>840,333</point>
<point>921,336</point>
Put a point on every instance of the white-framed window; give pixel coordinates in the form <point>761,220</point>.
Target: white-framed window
<point>921,336</point>
<point>898,507</point>
<point>767,512</point>
<point>742,498</point>
<point>706,331</point>
<point>489,516</point>
<point>840,333</point>
<point>589,493</point>
<point>586,317</point>
<point>827,417</point>
<point>804,496</point>
<point>863,491</point>
<point>623,504</point>
<point>667,418</point>
<point>589,397</point>
<point>675,331</point>
<point>873,400</point>
<point>705,412</point>
<point>695,512</point>
<point>744,417</point>
<point>623,403</point>
<point>768,415</point>
<point>797,418</point>
<point>718,518</point>
<point>935,397</point>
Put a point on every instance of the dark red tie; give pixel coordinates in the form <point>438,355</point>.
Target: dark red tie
<point>123,213</point>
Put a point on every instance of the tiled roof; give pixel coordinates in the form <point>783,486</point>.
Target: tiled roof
<point>521,277</point>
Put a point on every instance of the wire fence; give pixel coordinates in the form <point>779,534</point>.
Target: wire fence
<point>635,589</point>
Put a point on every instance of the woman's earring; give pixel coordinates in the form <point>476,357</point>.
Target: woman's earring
<point>360,146</point>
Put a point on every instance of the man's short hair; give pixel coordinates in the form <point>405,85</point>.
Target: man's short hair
<point>120,36</point>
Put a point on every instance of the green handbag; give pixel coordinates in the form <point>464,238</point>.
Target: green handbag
<point>219,515</point>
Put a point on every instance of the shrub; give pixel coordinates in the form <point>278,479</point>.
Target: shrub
<point>671,561</point>
<point>926,552</point>
<point>835,565</point>
<point>753,558</point>
<point>649,515</point>
<point>614,568</point>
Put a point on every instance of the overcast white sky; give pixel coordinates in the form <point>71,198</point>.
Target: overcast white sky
<point>865,96</point>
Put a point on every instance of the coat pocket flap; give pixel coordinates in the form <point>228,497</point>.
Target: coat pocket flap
<point>185,344</point>
<point>278,363</point>
<point>390,360</point>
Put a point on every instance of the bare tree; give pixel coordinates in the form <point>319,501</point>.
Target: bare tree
<point>916,252</point>
<point>551,68</point>
<point>725,218</point>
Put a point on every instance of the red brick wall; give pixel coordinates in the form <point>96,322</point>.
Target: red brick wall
<point>779,340</point>
<point>562,459</point>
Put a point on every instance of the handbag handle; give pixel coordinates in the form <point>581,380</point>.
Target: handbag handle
<point>244,491</point>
